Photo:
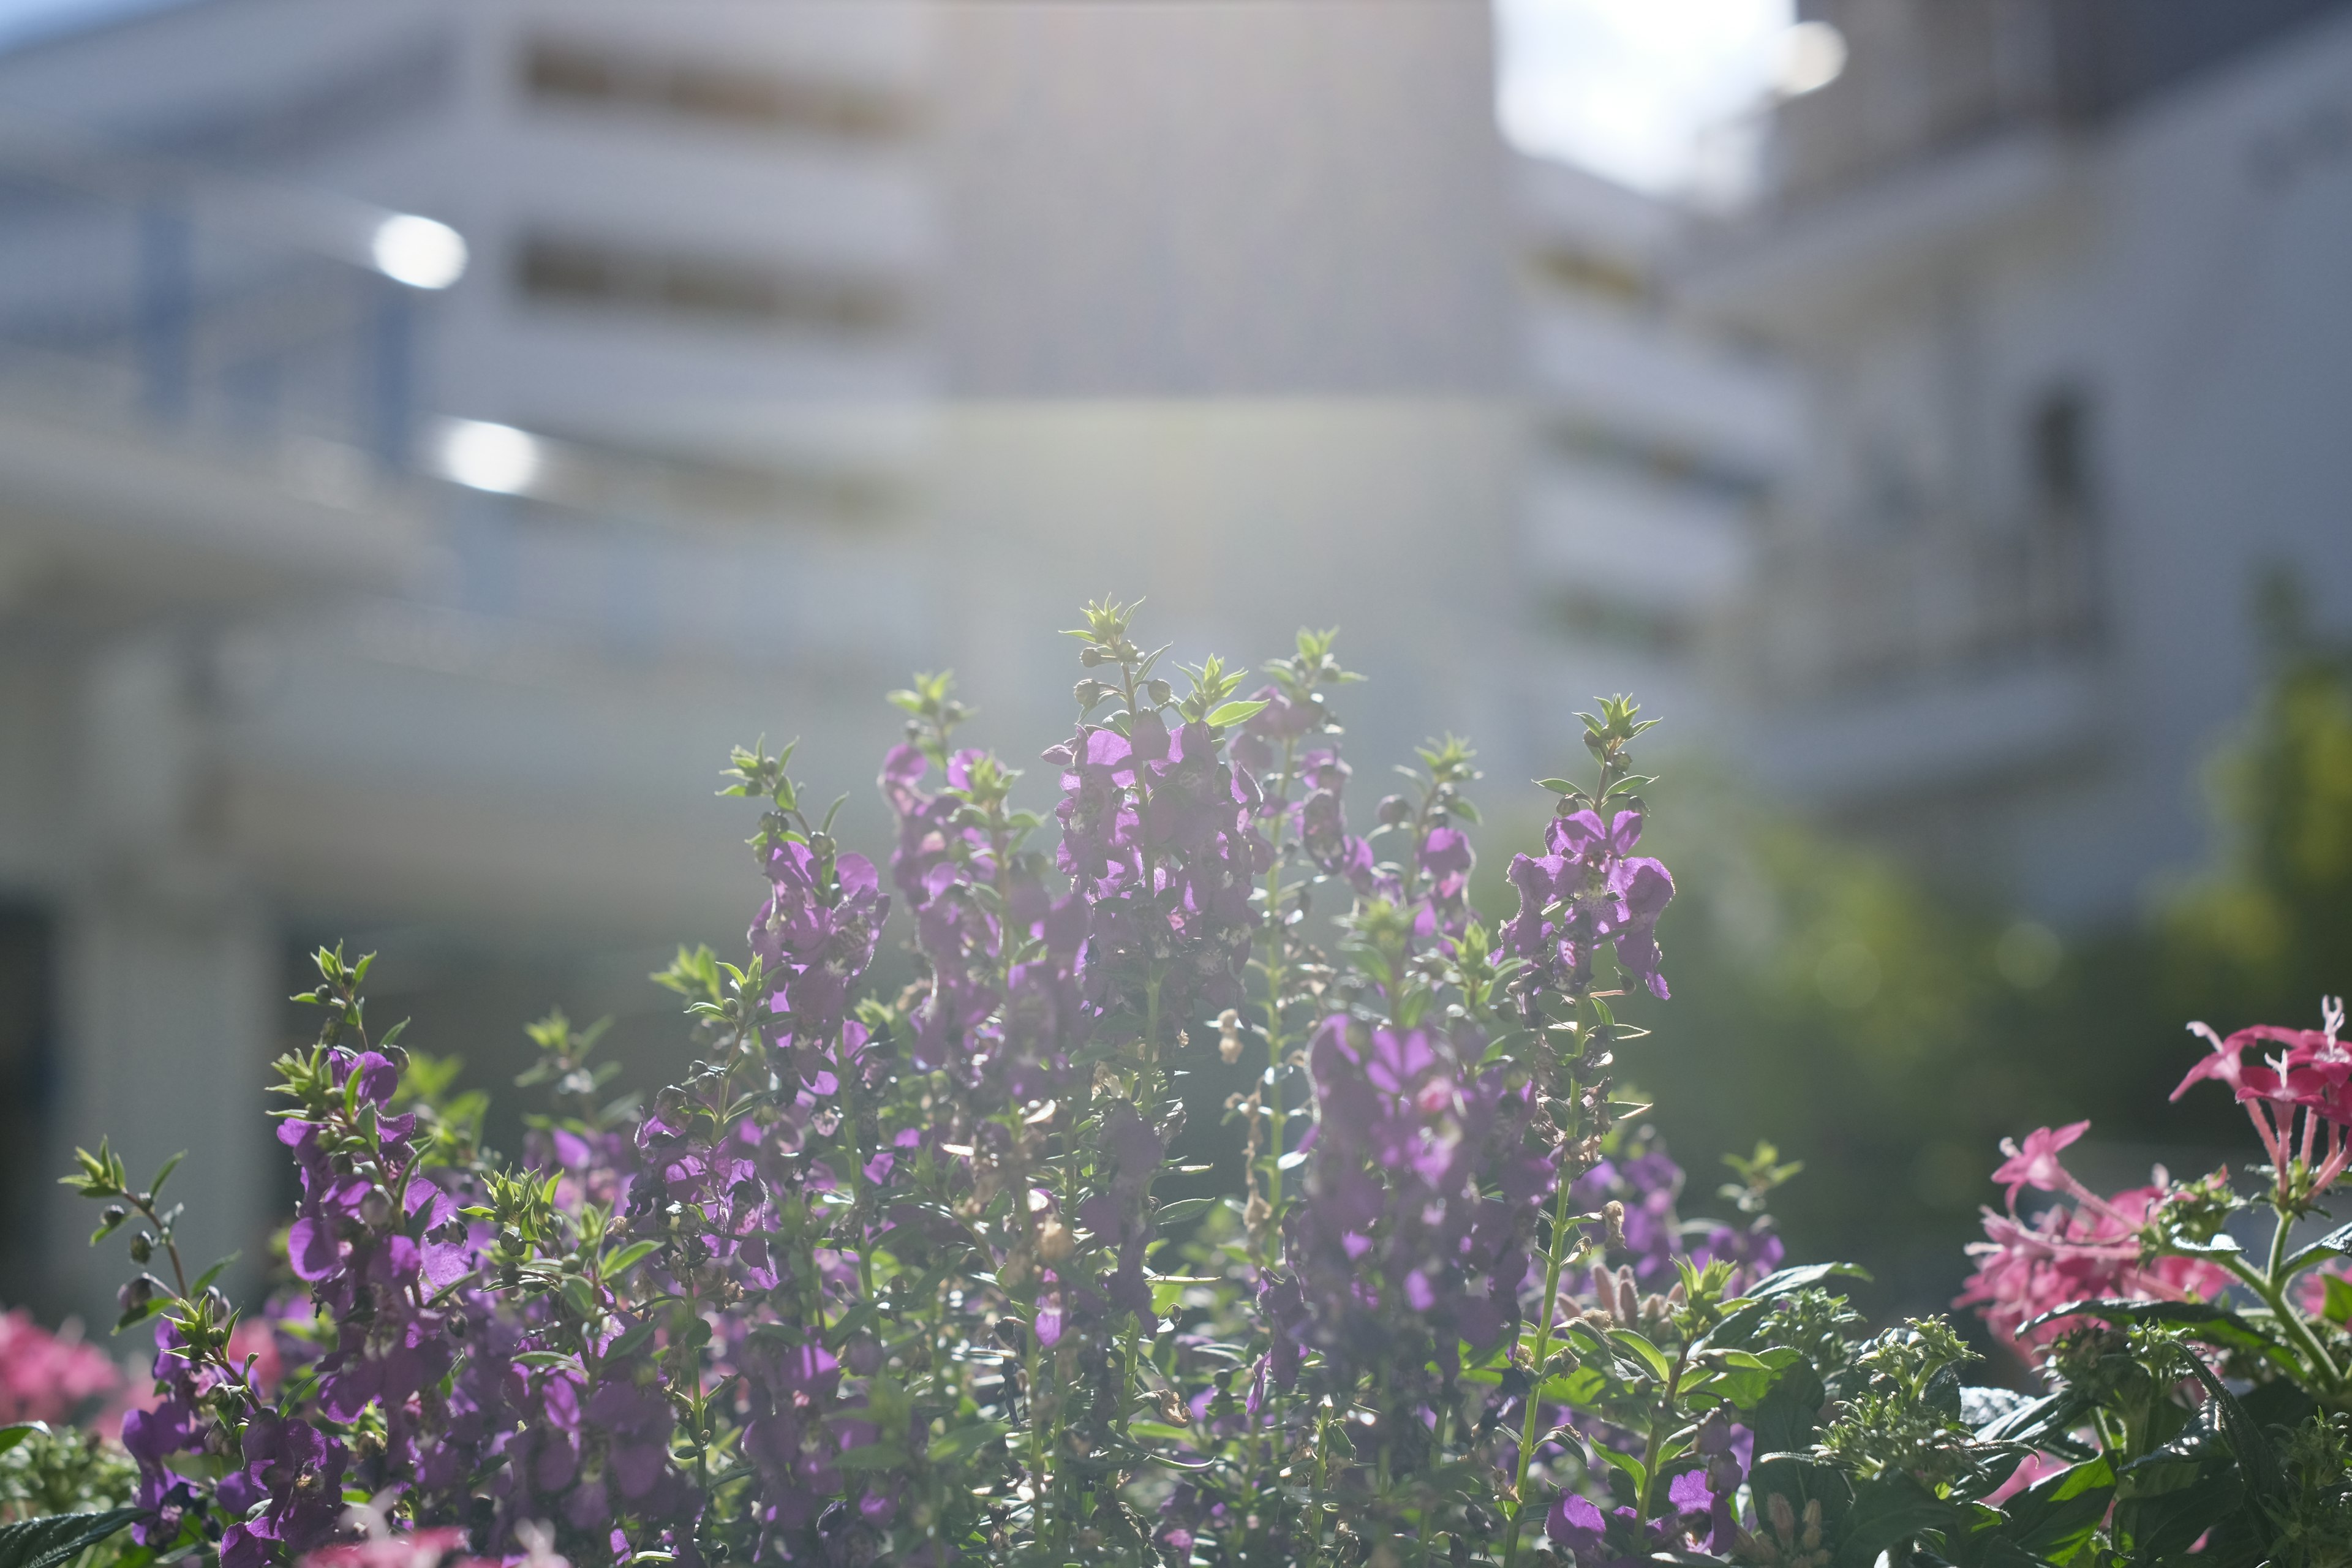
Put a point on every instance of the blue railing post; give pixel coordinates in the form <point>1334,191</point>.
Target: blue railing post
<point>388,393</point>
<point>166,310</point>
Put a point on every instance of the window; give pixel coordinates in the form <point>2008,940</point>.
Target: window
<point>583,74</point>
<point>2058,439</point>
<point>584,271</point>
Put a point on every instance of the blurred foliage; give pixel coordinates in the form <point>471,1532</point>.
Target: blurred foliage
<point>2270,926</point>
<point>1926,1026</point>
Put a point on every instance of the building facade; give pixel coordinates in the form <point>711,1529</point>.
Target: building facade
<point>2056,279</point>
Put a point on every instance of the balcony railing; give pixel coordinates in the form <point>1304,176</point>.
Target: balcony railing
<point>210,309</point>
<point>1836,616</point>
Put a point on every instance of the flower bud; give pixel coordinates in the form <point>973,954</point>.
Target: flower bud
<point>1395,811</point>
<point>113,1214</point>
<point>142,1248</point>
<point>1612,1225</point>
<point>1054,1243</point>
<point>1159,693</point>
<point>375,1211</point>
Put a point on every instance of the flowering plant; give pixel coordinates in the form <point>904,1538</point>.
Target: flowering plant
<point>916,1279</point>
<point>2197,1349</point>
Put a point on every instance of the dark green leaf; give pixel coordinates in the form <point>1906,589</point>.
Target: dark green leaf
<point>1802,1482</point>
<point>2256,1460</point>
<point>2214,1323</point>
<point>1786,1418</point>
<point>2167,1500</point>
<point>2054,1519</point>
<point>1888,1512</point>
<point>629,1342</point>
<point>12,1436</point>
<point>43,1542</point>
<point>1182,1209</point>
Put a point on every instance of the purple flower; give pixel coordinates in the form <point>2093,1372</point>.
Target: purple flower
<point>1588,890</point>
<point>289,1496</point>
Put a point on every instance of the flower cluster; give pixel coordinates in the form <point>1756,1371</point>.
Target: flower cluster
<point>48,1376</point>
<point>2083,1249</point>
<point>2310,1076</point>
<point>1590,890</point>
<point>906,1277</point>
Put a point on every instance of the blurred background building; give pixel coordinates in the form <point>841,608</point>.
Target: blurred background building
<point>431,432</point>
<point>2059,276</point>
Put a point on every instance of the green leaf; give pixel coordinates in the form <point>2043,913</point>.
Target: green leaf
<point>2165,1501</point>
<point>1182,1209</point>
<point>1635,1471</point>
<point>155,1187</point>
<point>1786,1418</point>
<point>2215,1323</point>
<point>965,1439</point>
<point>618,1263</point>
<point>2256,1460</point>
<point>12,1436</point>
<point>2338,1307</point>
<point>1887,1512</point>
<point>215,1272</point>
<point>630,1341</point>
<point>1651,1354</point>
<point>872,1456</point>
<point>1557,786</point>
<point>2055,1518</point>
<point>1159,1432</point>
<point>1789,1280</point>
<point>43,1542</point>
<point>1234,713</point>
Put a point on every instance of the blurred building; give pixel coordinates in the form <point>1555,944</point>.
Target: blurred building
<point>2062,277</point>
<point>1657,453</point>
<point>362,577</point>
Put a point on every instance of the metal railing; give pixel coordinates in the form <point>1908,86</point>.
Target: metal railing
<point>209,309</point>
<point>1839,615</point>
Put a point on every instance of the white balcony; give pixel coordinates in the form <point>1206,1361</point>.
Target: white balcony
<point>1881,665</point>
<point>1616,532</point>
<point>1641,379</point>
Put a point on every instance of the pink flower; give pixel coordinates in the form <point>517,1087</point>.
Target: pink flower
<point>46,1376</point>
<point>2088,1251</point>
<point>2036,1165</point>
<point>2313,1075</point>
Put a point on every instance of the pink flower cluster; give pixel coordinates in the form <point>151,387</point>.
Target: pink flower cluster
<point>441,1548</point>
<point>2065,1255</point>
<point>2312,1074</point>
<point>46,1376</point>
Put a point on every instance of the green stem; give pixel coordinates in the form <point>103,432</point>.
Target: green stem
<point>1038,1464</point>
<point>1556,1256</point>
<point>1660,1423</point>
<point>2272,1290</point>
